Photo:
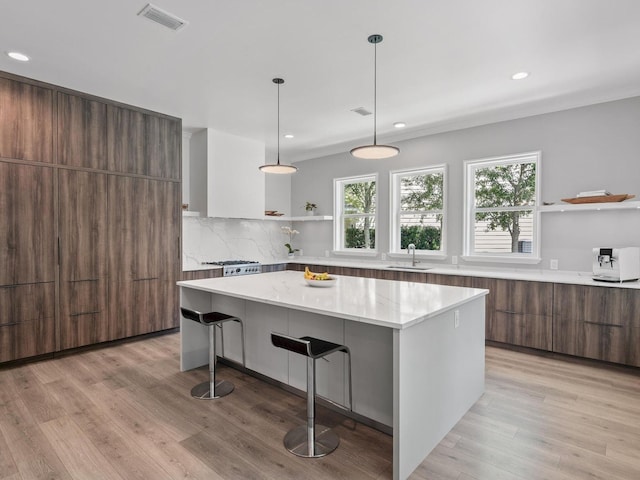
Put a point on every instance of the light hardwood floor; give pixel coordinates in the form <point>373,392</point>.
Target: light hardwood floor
<point>124,412</point>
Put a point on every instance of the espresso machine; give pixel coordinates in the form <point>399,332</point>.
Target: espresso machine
<point>616,264</point>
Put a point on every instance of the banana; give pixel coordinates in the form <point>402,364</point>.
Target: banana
<point>309,275</point>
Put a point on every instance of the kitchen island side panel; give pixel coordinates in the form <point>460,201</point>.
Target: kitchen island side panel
<point>439,375</point>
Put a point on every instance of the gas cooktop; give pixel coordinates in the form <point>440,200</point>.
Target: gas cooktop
<point>237,267</point>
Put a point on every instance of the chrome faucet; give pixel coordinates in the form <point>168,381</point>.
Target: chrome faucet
<point>411,250</point>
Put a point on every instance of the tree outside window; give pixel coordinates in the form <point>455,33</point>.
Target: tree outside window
<point>356,213</point>
<point>503,206</point>
<point>418,198</point>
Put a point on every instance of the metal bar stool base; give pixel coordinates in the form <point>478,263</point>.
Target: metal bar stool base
<point>202,390</point>
<point>296,441</point>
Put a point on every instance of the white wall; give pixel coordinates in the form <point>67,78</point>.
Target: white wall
<point>586,148</point>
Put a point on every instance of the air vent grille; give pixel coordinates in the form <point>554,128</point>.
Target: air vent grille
<point>165,19</point>
<point>361,111</point>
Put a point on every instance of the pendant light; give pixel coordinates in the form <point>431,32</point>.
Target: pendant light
<point>278,167</point>
<point>375,151</point>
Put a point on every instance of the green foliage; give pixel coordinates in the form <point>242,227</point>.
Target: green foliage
<point>512,185</point>
<point>361,198</point>
<point>355,238</point>
<point>422,192</point>
<point>424,237</point>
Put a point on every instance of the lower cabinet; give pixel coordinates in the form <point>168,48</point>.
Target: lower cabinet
<point>522,313</point>
<point>27,320</point>
<point>597,322</point>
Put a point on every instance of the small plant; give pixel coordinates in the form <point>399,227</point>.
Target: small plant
<point>310,207</point>
<point>291,232</point>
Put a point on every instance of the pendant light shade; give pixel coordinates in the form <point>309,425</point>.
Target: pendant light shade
<point>375,151</point>
<point>278,167</point>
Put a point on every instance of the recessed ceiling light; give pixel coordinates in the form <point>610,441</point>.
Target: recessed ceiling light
<point>21,57</point>
<point>520,75</point>
<point>399,124</point>
<point>288,135</point>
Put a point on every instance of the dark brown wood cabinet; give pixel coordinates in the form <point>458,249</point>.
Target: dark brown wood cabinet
<point>522,314</point>
<point>145,218</point>
<point>28,259</point>
<point>82,132</point>
<point>143,144</point>
<point>83,258</point>
<point>26,121</point>
<point>89,230</point>
<point>597,322</point>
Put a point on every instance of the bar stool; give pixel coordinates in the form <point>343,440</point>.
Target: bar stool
<point>311,441</point>
<point>212,389</point>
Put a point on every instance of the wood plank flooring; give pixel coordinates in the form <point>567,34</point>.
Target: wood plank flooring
<point>124,412</point>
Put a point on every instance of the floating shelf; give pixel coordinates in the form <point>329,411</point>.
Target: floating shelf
<point>584,207</point>
<point>186,213</point>
<point>306,218</point>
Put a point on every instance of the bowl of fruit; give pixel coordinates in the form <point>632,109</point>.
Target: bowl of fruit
<point>318,279</point>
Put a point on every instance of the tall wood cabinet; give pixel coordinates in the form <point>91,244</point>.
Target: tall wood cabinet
<point>142,276</point>
<point>89,219</point>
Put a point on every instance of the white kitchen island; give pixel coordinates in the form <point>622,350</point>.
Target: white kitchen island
<point>417,349</point>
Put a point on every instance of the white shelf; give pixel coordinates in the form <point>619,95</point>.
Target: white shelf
<point>186,213</point>
<point>306,218</point>
<point>585,207</point>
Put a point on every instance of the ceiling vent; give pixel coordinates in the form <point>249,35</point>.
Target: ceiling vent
<point>361,111</point>
<point>165,19</point>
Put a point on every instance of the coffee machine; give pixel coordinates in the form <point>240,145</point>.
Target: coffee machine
<point>616,264</point>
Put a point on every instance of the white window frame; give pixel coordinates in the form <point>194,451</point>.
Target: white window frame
<point>339,215</point>
<point>395,211</point>
<point>470,210</point>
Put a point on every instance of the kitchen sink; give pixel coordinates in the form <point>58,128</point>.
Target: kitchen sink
<point>416,268</point>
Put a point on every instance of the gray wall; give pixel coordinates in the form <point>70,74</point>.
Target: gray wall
<point>586,148</point>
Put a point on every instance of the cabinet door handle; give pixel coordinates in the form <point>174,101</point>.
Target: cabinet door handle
<point>8,286</point>
<point>604,324</point>
<point>144,279</point>
<point>9,324</point>
<point>84,313</point>
<point>85,280</point>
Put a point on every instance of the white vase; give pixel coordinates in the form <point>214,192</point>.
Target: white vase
<point>291,255</point>
<point>311,212</point>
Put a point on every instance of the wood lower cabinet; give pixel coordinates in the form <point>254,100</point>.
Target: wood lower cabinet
<point>597,322</point>
<point>82,227</point>
<point>144,216</point>
<point>26,121</point>
<point>27,320</point>
<point>522,314</point>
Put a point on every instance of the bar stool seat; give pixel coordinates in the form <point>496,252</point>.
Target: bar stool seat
<point>213,389</point>
<point>311,440</point>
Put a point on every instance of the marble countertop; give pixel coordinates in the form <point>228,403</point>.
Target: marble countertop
<point>379,302</point>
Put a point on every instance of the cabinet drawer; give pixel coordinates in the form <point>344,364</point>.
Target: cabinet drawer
<point>532,331</point>
<point>83,296</point>
<point>515,296</point>
<point>591,340</point>
<point>83,329</point>
<point>595,305</point>
<point>27,339</point>
<point>25,303</point>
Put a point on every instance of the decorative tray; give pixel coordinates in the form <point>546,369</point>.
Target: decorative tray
<point>600,199</point>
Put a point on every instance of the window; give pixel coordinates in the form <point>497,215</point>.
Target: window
<point>501,215</point>
<point>355,214</point>
<point>418,210</point>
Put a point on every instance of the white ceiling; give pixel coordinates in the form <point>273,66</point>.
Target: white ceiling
<point>443,64</point>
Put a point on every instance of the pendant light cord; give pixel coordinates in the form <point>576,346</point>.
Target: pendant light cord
<point>375,91</point>
<point>278,123</point>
